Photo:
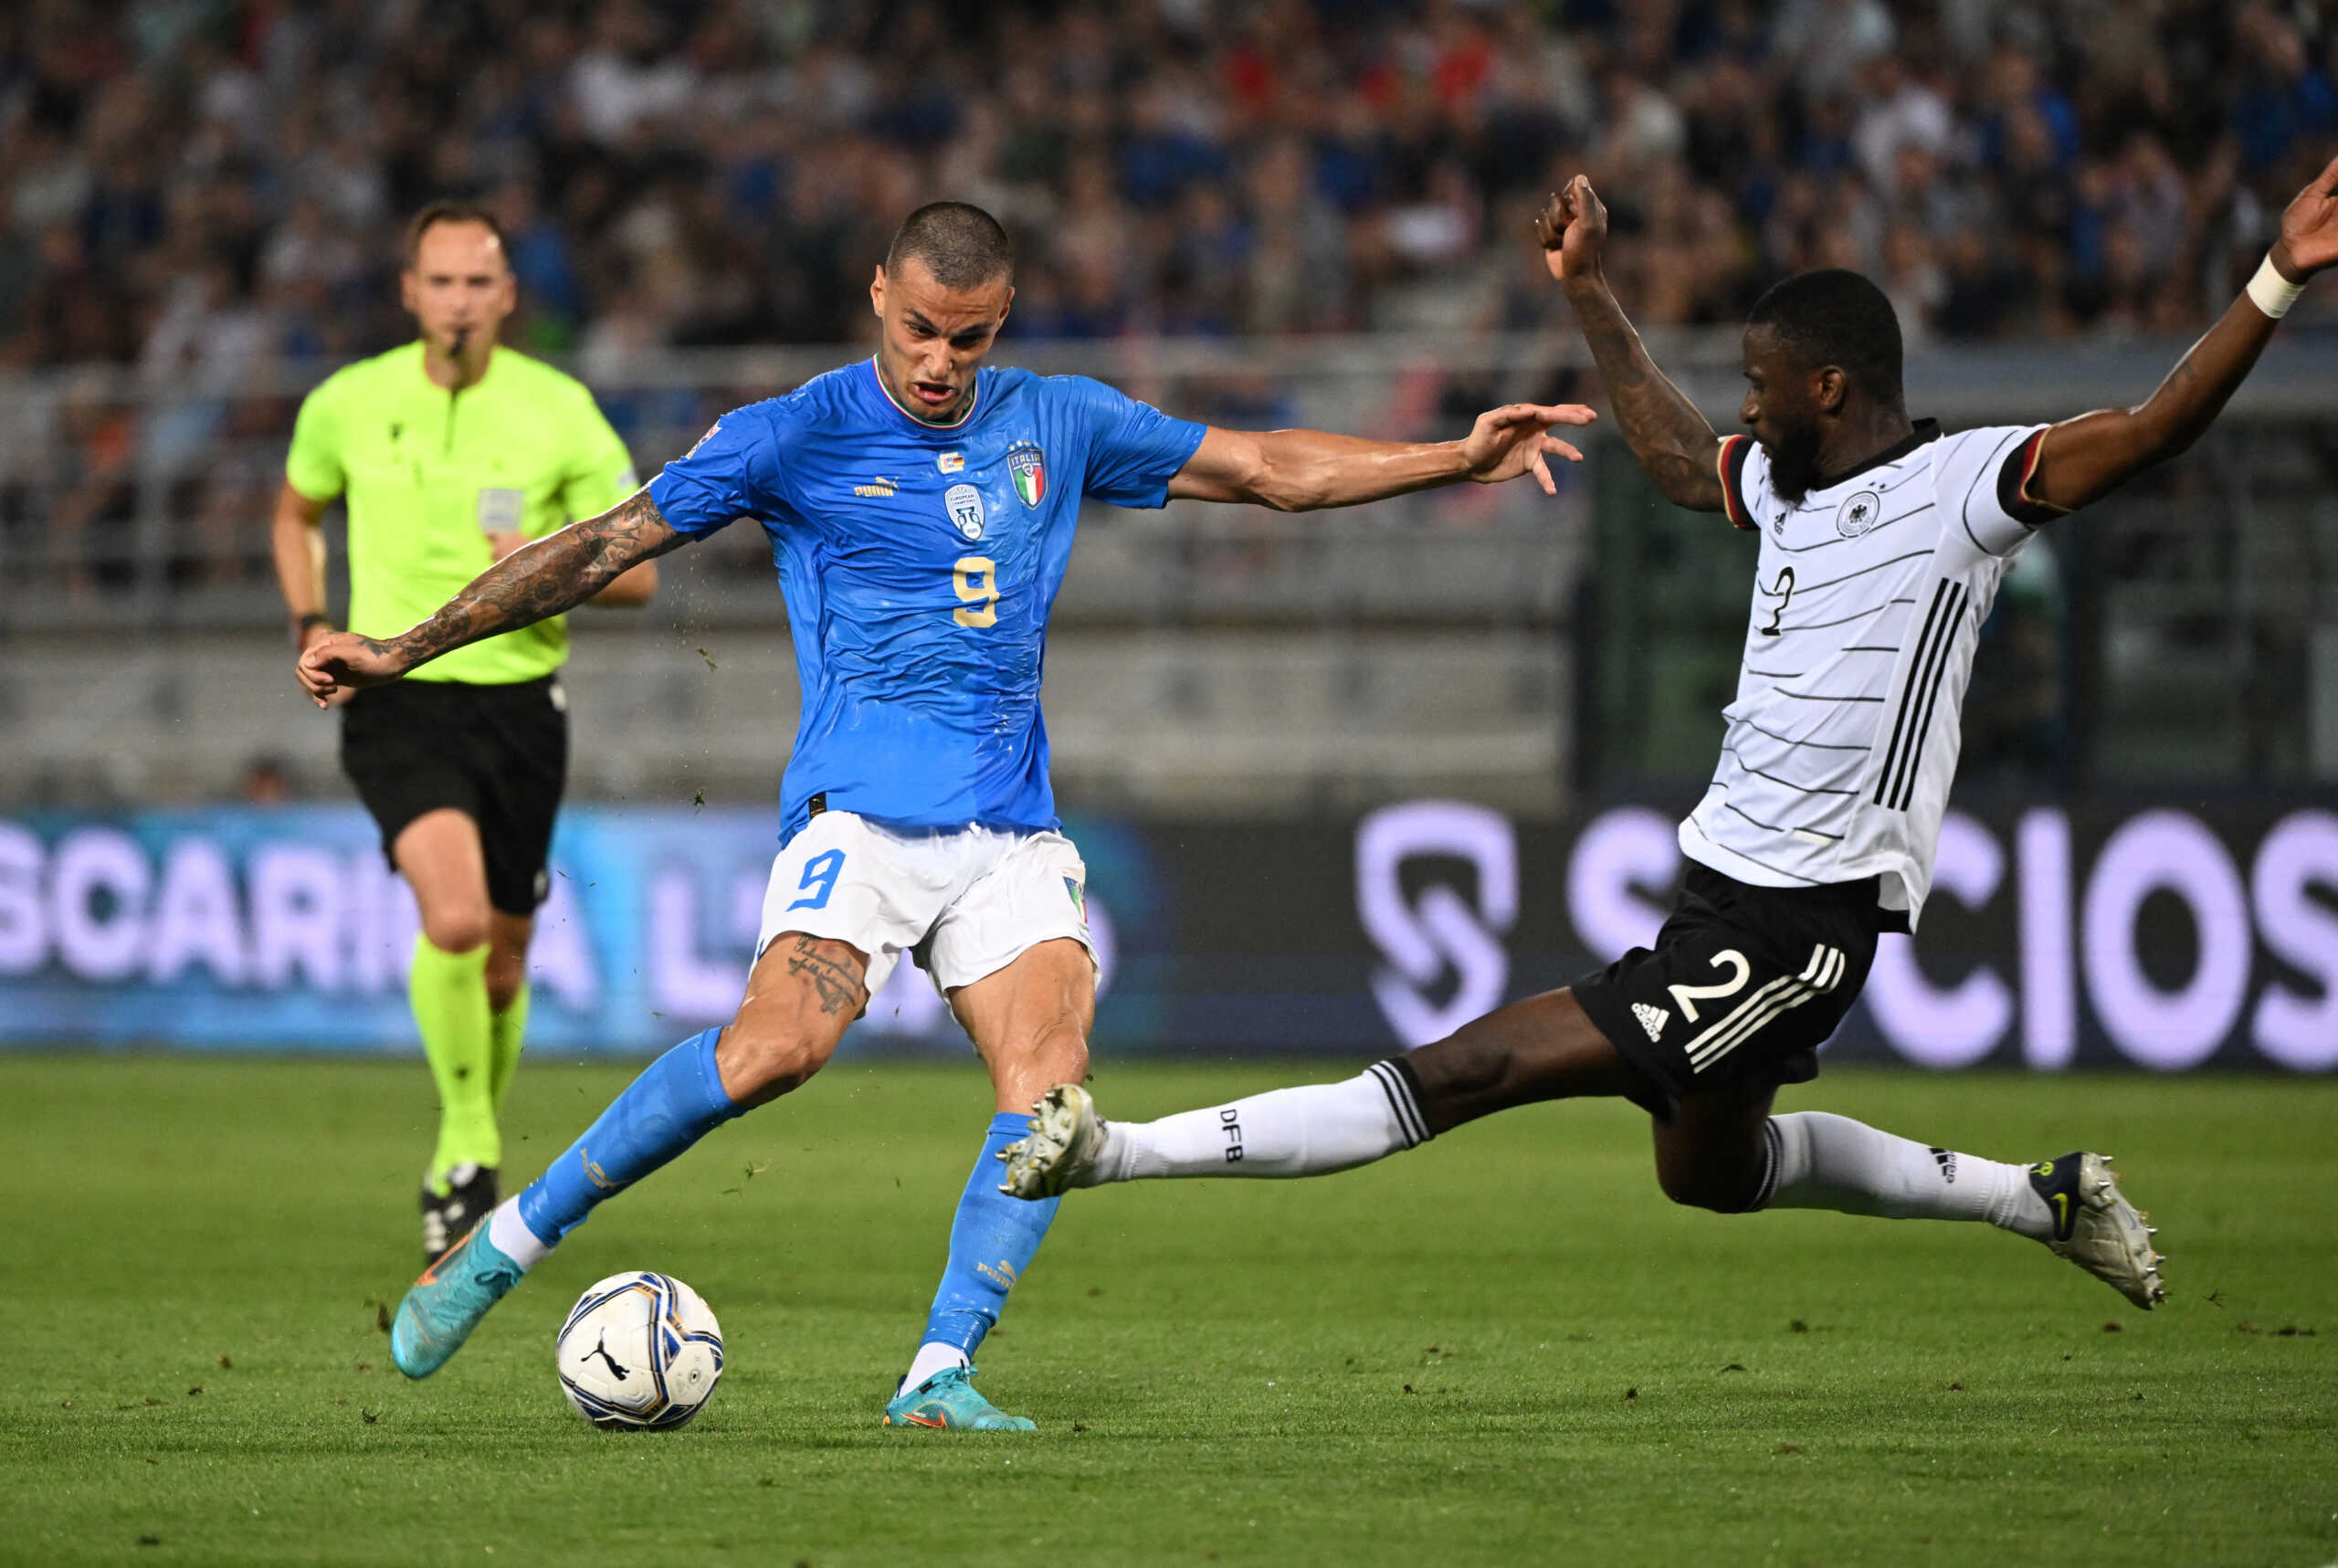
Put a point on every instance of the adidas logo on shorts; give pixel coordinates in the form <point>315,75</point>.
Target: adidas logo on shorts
<point>1652,1018</point>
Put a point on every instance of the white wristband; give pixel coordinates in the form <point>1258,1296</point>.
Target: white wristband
<point>2272,293</point>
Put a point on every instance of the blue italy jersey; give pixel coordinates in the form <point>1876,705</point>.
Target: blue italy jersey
<point>920,563</point>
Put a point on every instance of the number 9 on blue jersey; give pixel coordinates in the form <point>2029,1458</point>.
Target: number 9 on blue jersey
<point>977,581</point>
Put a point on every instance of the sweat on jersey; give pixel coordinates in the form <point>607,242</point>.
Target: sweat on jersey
<point>1868,604</point>
<point>920,563</point>
<point>430,472</point>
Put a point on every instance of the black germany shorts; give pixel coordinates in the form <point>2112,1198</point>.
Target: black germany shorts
<point>1743,986</point>
<point>497,753</point>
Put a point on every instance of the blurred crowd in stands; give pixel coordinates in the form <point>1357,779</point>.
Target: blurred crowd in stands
<point>189,184</point>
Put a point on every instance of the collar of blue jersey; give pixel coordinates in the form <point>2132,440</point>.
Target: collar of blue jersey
<point>887,392</point>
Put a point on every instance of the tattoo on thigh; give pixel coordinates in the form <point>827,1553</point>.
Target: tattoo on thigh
<point>840,990</point>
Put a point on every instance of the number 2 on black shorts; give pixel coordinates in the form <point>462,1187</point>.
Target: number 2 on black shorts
<point>1686,997</point>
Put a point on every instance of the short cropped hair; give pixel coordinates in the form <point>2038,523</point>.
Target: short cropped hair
<point>1838,318</point>
<point>451,211</point>
<point>963,246</point>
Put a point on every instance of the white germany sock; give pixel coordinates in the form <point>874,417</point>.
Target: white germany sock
<point>1822,1162</point>
<point>1304,1131</point>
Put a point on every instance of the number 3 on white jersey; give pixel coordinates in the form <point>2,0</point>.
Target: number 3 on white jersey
<point>977,581</point>
<point>1685,996</point>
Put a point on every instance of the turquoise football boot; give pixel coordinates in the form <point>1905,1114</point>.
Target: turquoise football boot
<point>447,1303</point>
<point>948,1399</point>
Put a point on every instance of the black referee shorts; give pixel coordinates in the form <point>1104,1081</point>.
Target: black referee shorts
<point>497,753</point>
<point>1744,984</point>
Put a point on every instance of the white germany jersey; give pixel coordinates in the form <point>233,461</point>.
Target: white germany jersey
<point>1842,742</point>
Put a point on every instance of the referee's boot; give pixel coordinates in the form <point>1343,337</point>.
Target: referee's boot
<point>2097,1228</point>
<point>470,1197</point>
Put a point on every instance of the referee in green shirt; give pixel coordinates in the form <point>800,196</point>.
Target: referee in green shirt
<point>452,452</point>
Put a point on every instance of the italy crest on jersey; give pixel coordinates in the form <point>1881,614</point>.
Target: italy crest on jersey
<point>1028,467</point>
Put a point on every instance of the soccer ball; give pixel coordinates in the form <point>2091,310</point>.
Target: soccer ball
<point>639,1350</point>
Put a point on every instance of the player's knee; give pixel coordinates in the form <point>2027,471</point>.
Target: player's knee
<point>1704,1186</point>
<point>456,926</point>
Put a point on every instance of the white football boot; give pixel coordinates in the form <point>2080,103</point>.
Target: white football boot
<point>2097,1228</point>
<point>1067,1136</point>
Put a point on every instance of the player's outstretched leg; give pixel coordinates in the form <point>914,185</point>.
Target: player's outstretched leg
<point>1030,1021</point>
<point>678,1100</point>
<point>1309,1131</point>
<point>1720,1150</point>
<point>1725,1151</point>
<point>1541,1048</point>
<point>801,995</point>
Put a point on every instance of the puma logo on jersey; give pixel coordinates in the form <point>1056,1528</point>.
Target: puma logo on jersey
<point>874,488</point>
<point>1652,1018</point>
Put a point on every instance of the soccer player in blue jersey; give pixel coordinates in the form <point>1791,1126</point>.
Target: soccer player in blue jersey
<point>921,509</point>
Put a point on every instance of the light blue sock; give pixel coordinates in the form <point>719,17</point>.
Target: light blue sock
<point>992,1242</point>
<point>677,1100</point>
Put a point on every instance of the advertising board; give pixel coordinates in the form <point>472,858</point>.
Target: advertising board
<point>2157,937</point>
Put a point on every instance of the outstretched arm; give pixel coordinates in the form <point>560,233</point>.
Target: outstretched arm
<point>2083,459</point>
<point>1668,434</point>
<point>633,587</point>
<point>556,572</point>
<point>1302,470</point>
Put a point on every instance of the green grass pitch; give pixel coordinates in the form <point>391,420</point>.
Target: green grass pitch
<point>1503,1348</point>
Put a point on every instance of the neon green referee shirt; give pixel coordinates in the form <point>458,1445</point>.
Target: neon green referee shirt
<point>429,473</point>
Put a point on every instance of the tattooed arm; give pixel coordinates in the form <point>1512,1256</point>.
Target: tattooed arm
<point>2083,459</point>
<point>1668,434</point>
<point>556,572</point>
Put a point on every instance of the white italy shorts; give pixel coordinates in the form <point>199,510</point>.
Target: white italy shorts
<point>967,901</point>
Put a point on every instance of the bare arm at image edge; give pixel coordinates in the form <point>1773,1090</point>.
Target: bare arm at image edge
<point>2081,461</point>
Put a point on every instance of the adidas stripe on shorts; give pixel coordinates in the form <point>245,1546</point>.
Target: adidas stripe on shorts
<point>1743,984</point>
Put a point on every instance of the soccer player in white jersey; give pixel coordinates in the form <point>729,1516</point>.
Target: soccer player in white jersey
<point>1882,544</point>
<point>921,508</point>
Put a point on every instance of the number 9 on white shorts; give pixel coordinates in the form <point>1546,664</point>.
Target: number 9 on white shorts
<point>968,900</point>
